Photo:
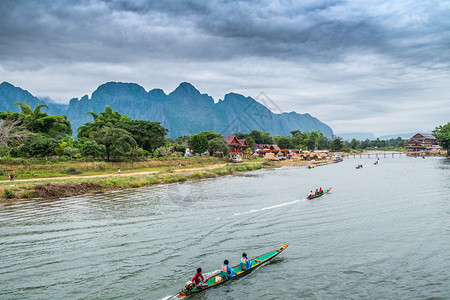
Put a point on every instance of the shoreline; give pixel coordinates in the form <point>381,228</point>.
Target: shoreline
<point>60,187</point>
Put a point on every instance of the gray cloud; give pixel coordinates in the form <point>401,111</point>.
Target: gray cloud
<point>348,63</point>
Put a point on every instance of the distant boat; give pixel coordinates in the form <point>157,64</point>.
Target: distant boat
<point>317,196</point>
<point>216,280</point>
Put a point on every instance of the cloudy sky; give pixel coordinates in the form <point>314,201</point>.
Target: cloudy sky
<point>359,66</point>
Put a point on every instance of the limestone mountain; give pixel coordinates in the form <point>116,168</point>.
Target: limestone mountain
<point>184,111</point>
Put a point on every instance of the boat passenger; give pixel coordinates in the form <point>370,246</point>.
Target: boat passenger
<point>246,264</point>
<point>310,194</point>
<point>320,191</point>
<point>226,272</point>
<point>316,192</point>
<point>198,279</point>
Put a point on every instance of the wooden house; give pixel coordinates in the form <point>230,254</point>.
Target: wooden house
<point>422,142</point>
<point>236,145</point>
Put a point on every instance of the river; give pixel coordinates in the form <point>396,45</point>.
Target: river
<point>383,232</point>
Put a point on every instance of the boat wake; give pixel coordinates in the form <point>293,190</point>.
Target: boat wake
<point>210,274</point>
<point>267,208</point>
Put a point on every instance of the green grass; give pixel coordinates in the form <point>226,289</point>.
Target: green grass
<point>100,184</point>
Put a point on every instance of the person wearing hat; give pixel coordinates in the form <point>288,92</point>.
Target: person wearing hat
<point>246,264</point>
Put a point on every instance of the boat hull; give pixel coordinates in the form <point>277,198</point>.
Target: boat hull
<point>256,261</point>
<point>324,192</point>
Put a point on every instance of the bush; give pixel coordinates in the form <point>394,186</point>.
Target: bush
<point>28,194</point>
<point>221,172</point>
<point>9,193</point>
<point>197,175</point>
<point>73,171</point>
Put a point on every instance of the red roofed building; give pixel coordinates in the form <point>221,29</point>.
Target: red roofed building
<point>236,145</point>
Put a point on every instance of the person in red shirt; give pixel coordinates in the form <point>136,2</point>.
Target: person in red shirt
<point>198,279</point>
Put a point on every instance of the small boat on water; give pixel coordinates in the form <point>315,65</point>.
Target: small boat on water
<point>317,196</point>
<point>216,279</point>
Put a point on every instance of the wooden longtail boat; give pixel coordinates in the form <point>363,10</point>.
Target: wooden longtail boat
<point>317,196</point>
<point>256,261</point>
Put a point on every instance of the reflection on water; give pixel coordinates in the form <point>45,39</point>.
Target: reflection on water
<point>382,232</point>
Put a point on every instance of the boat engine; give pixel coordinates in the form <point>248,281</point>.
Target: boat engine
<point>188,287</point>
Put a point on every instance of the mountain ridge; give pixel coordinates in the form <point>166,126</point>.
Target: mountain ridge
<point>184,111</point>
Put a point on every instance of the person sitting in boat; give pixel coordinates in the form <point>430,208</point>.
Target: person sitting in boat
<point>310,194</point>
<point>198,279</point>
<point>316,192</point>
<point>320,191</point>
<point>246,264</point>
<point>225,271</point>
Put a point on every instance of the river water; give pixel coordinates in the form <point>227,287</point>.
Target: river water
<point>383,232</point>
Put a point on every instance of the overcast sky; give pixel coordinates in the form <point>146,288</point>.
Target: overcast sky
<point>359,66</point>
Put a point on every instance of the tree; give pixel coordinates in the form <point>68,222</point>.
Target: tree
<point>322,142</point>
<point>442,134</point>
<point>161,152</point>
<point>210,135</point>
<point>42,146</point>
<point>12,134</point>
<point>313,140</point>
<point>261,137</point>
<point>198,143</point>
<point>148,135</point>
<point>180,148</point>
<point>91,148</point>
<point>336,144</point>
<point>56,126</point>
<point>107,118</point>
<point>218,145</point>
<point>354,144</point>
<point>117,141</point>
<point>285,142</point>
<point>299,140</point>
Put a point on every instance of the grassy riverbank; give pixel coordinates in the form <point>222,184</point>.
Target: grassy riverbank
<point>77,185</point>
<point>44,168</point>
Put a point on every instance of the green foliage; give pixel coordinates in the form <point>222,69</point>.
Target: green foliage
<point>442,134</point>
<point>42,146</point>
<point>92,149</point>
<point>19,151</point>
<point>336,145</point>
<point>197,175</point>
<point>108,118</point>
<point>121,136</point>
<point>56,126</point>
<point>284,142</point>
<point>182,139</point>
<point>198,143</point>
<point>161,152</point>
<point>180,148</point>
<point>118,142</point>
<point>28,194</point>
<point>219,146</point>
<point>391,143</point>
<point>72,152</point>
<point>261,137</point>
<point>9,193</point>
<point>148,135</point>
<point>73,171</point>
